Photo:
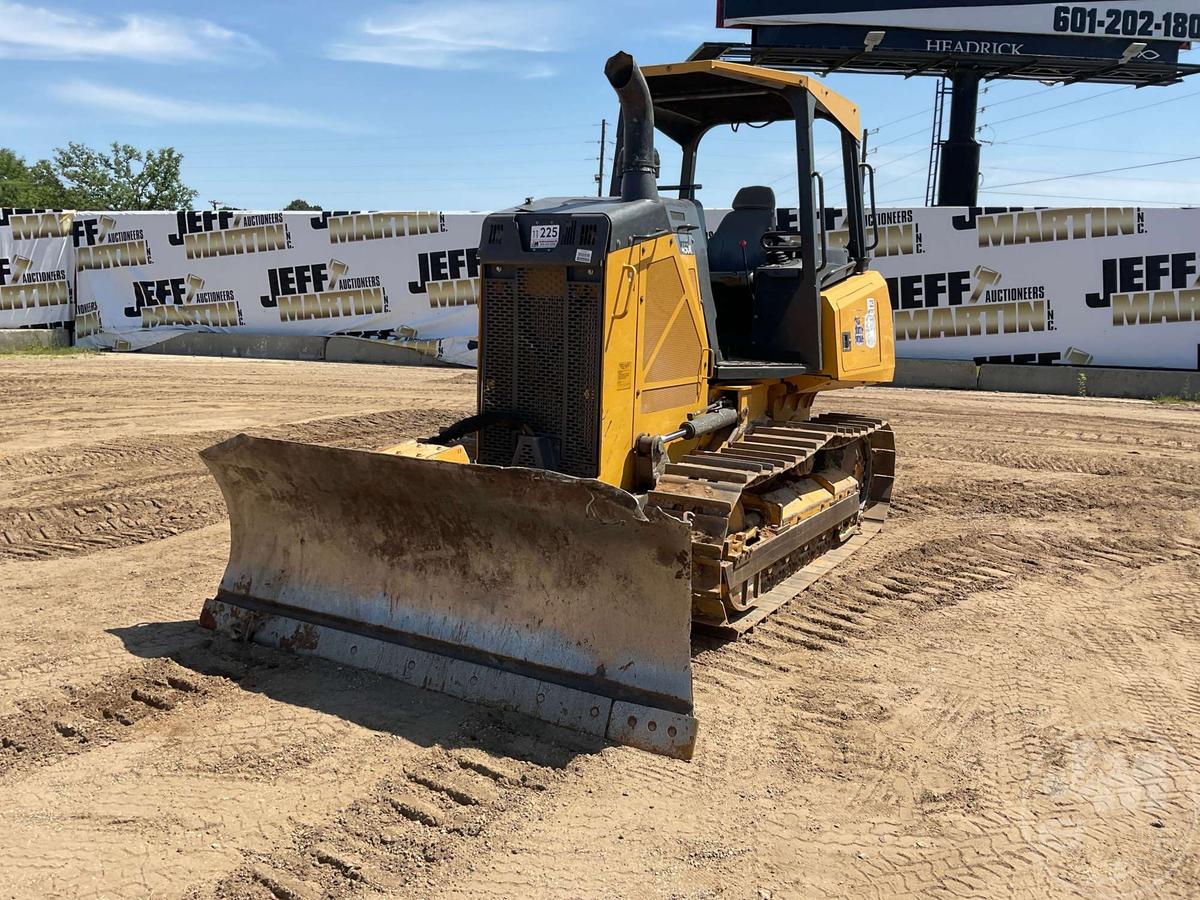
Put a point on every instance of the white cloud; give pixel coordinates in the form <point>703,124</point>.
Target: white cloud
<point>140,106</point>
<point>35,32</point>
<point>11,120</point>
<point>538,72</point>
<point>478,34</point>
<point>692,32</point>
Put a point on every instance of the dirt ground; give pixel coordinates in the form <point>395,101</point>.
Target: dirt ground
<point>999,696</point>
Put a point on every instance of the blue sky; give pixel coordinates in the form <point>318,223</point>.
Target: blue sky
<point>478,104</point>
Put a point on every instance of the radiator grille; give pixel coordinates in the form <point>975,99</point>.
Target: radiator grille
<point>541,362</point>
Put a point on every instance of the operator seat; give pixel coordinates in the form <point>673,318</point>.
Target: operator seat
<point>753,216</point>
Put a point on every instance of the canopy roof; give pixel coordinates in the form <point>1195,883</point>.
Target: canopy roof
<point>695,96</point>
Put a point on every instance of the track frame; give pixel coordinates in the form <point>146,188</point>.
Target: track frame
<point>706,491</point>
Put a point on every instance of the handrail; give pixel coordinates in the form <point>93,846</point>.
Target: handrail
<point>820,179</point>
<point>869,170</point>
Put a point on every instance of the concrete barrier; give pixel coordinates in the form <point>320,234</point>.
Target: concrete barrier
<point>1062,380</point>
<point>243,346</point>
<point>1071,381</point>
<point>379,353</point>
<point>33,338</point>
<point>961,375</point>
<point>1141,384</point>
<point>1067,381</point>
<point>1074,381</point>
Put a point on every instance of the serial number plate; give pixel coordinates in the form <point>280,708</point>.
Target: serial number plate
<point>543,237</point>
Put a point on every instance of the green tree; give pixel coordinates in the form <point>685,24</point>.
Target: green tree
<point>29,187</point>
<point>301,206</point>
<point>124,179</point>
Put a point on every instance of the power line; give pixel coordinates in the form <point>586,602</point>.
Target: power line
<point>1140,202</point>
<point>982,109</point>
<point>795,173</point>
<point>1169,162</point>
<point>892,162</point>
<point>1112,150</point>
<point>1053,172</point>
<point>898,140</point>
<point>896,179</point>
<point>1029,96</point>
<point>1124,112</point>
<point>379,148</point>
<point>879,128</point>
<point>1010,119</point>
<point>1039,112</point>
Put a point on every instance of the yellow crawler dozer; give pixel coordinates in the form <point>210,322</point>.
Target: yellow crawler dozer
<point>644,459</point>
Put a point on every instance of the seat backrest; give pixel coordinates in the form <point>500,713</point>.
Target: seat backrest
<point>753,216</point>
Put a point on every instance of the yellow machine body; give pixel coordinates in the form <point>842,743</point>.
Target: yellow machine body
<point>645,458</point>
<point>658,362</point>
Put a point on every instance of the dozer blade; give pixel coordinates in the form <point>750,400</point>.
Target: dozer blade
<point>552,596</point>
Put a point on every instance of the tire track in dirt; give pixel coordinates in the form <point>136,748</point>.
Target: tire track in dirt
<point>399,831</point>
<point>965,709</point>
<point>71,623</point>
<point>43,733</point>
<point>98,710</point>
<point>961,838</point>
<point>1167,461</point>
<point>398,838</point>
<point>1035,458</point>
<point>270,764</point>
<point>1113,439</point>
<point>847,605</point>
<point>1035,498</point>
<point>83,499</point>
<point>1070,785</point>
<point>1082,438</point>
<point>1120,433</point>
<point>47,674</point>
<point>847,727</point>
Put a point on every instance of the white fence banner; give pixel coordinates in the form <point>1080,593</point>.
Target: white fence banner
<point>410,278</point>
<point>1083,286</point>
<point>1086,286</point>
<point>36,271</point>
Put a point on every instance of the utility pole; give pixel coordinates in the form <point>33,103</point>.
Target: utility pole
<point>603,153</point>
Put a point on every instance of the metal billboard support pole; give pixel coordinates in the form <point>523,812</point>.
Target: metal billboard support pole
<point>961,153</point>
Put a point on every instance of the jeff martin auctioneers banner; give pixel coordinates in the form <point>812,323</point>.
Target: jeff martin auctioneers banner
<point>1117,286</point>
<point>37,274</point>
<point>404,277</point>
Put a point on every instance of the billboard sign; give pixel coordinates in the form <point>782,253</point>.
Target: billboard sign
<point>966,43</point>
<point>1135,20</point>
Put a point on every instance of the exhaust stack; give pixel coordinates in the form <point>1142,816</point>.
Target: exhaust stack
<point>639,168</point>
